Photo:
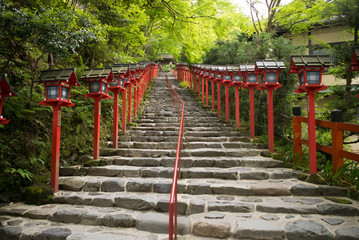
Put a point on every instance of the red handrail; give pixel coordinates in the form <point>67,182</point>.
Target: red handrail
<point>172,228</point>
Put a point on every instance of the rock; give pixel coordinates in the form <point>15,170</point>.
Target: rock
<point>108,236</point>
<point>118,220</point>
<point>333,221</point>
<point>212,228</point>
<point>306,201</point>
<point>158,223</point>
<point>351,233</point>
<point>199,189</point>
<point>14,222</point>
<point>38,195</point>
<point>333,191</point>
<point>214,215</point>
<point>336,209</point>
<point>71,184</point>
<point>270,217</point>
<point>316,179</point>
<point>54,234</point>
<point>267,189</point>
<point>139,186</point>
<point>163,205</point>
<point>305,190</point>
<point>10,233</point>
<point>134,202</point>
<point>91,186</point>
<point>258,229</point>
<point>230,207</point>
<point>196,207</point>
<point>283,207</point>
<point>92,218</point>
<point>68,216</point>
<point>116,185</point>
<point>308,230</point>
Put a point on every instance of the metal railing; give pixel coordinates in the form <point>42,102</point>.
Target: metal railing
<point>172,227</point>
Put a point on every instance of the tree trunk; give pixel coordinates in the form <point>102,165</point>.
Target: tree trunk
<point>346,99</point>
<point>50,61</point>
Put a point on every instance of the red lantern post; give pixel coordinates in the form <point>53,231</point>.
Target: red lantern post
<point>98,80</point>
<point>309,69</point>
<point>206,76</point>
<point>116,87</point>
<point>57,94</point>
<point>251,84</point>
<point>269,70</point>
<point>237,81</point>
<point>5,91</point>
<point>227,80</point>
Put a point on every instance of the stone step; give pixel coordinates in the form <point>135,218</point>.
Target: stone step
<point>187,145</point>
<point>70,222</point>
<point>186,128</point>
<point>189,204</point>
<point>202,152</point>
<point>128,138</point>
<point>235,173</point>
<point>129,181</point>
<point>188,162</point>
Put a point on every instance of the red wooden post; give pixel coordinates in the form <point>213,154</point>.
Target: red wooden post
<point>337,147</point>
<point>206,91</point>
<point>251,110</point>
<point>135,95</point>
<point>97,122</point>
<point>115,120</point>
<point>129,103</point>
<point>270,121</point>
<point>237,106</point>
<point>227,103</point>
<point>212,94</point>
<point>124,112</point>
<point>219,98</point>
<point>311,133</point>
<point>55,154</point>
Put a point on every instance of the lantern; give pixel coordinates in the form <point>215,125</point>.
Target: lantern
<point>238,76</point>
<point>57,86</point>
<point>251,75</point>
<point>354,66</point>
<point>228,75</point>
<point>5,91</point>
<point>309,69</point>
<point>269,71</point>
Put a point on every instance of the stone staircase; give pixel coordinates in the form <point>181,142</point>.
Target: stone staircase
<point>229,188</point>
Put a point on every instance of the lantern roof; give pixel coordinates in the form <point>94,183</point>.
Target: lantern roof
<point>235,68</point>
<point>119,68</point>
<point>247,67</point>
<point>60,75</point>
<point>98,73</point>
<point>270,64</point>
<point>207,67</point>
<point>5,90</point>
<point>230,68</point>
<point>311,60</point>
<point>132,67</point>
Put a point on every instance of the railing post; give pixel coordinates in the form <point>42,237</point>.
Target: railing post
<point>297,135</point>
<point>206,91</point>
<point>212,94</point>
<point>337,140</point>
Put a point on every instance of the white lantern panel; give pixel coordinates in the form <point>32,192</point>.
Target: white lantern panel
<point>228,77</point>
<point>313,77</point>
<point>95,87</point>
<point>271,77</point>
<point>65,92</point>
<point>115,83</point>
<point>52,92</point>
<point>104,87</point>
<point>252,78</point>
<point>237,78</point>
